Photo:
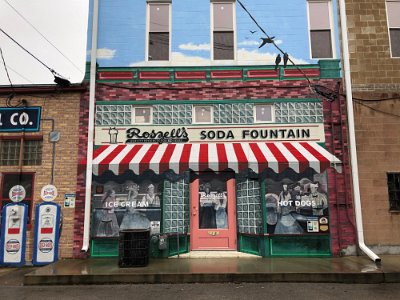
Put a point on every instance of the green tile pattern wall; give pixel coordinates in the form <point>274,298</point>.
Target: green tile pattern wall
<point>249,208</point>
<point>176,209</point>
<point>172,114</point>
<point>113,114</point>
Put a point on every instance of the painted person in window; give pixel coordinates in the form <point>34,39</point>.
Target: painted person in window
<point>108,226</point>
<point>319,201</point>
<point>150,199</point>
<point>287,224</point>
<point>207,214</point>
<point>221,217</point>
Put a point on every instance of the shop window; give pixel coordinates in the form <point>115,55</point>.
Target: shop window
<point>10,150</point>
<point>203,114</point>
<point>223,33</point>
<point>158,31</point>
<point>142,115</point>
<point>320,25</point>
<point>393,15</point>
<point>393,181</point>
<point>263,113</point>
<point>8,180</point>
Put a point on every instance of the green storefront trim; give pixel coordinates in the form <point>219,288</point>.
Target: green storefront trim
<point>329,69</point>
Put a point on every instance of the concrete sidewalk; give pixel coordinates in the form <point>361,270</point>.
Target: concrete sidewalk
<point>350,269</point>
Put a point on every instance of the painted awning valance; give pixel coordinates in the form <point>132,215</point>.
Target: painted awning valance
<point>212,156</point>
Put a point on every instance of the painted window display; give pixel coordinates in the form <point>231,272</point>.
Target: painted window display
<point>124,206</point>
<point>297,207</point>
<point>213,201</point>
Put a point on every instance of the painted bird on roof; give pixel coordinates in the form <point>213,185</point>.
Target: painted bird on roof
<point>277,61</point>
<point>285,59</point>
<point>268,40</point>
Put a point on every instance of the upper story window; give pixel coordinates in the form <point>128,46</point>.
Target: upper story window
<point>158,24</point>
<point>20,151</point>
<point>393,181</point>
<point>142,115</point>
<point>321,29</point>
<point>223,30</point>
<point>393,15</point>
<point>203,114</point>
<point>263,113</point>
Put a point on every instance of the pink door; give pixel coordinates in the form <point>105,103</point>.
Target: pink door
<point>213,212</point>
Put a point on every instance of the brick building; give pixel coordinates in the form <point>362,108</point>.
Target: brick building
<point>374,43</point>
<point>204,136</point>
<point>27,156</point>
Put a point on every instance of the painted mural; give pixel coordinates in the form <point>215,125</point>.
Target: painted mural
<point>122,33</point>
<point>297,206</point>
<point>125,206</point>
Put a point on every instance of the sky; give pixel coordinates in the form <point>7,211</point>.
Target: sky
<point>62,22</point>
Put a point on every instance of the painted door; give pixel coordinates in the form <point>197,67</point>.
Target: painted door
<point>213,212</point>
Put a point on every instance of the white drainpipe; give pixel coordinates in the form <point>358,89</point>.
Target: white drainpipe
<point>352,137</point>
<point>89,158</point>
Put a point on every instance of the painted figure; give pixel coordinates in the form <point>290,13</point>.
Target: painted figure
<point>221,217</point>
<point>108,225</point>
<point>150,199</point>
<point>318,200</point>
<point>207,211</point>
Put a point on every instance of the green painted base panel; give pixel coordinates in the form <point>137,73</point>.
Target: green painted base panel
<point>300,246</point>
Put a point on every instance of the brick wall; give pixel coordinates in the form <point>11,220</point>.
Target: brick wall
<point>64,109</point>
<point>342,229</point>
<point>371,64</point>
<point>375,75</point>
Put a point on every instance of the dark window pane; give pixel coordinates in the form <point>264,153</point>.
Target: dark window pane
<point>158,46</point>
<point>223,45</point>
<point>159,17</point>
<point>32,153</point>
<point>9,152</point>
<point>9,180</point>
<point>321,44</point>
<point>395,41</point>
<point>223,16</point>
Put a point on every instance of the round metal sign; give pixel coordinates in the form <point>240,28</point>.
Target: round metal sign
<point>17,193</point>
<point>48,193</point>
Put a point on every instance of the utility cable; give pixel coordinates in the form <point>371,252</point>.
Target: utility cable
<point>20,75</point>
<point>5,67</point>
<point>273,42</point>
<point>27,51</point>
<point>12,7</point>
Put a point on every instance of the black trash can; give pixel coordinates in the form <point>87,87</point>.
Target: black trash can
<point>134,248</point>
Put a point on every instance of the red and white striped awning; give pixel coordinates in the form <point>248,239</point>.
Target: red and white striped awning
<point>213,156</point>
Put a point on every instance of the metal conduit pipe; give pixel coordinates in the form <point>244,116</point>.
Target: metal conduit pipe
<point>92,91</point>
<point>352,137</point>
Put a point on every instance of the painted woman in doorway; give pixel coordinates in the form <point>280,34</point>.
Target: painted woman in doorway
<point>108,226</point>
<point>220,210</point>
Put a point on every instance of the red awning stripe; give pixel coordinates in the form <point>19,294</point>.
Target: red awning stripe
<point>215,156</point>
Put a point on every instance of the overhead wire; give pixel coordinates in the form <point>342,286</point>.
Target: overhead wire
<point>5,67</point>
<point>276,46</point>
<point>27,51</point>
<point>59,51</point>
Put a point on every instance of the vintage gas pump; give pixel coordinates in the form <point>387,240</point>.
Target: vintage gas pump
<point>47,228</point>
<point>13,229</point>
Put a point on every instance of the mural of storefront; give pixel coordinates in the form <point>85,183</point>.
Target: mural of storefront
<point>213,184</point>
<point>206,131</point>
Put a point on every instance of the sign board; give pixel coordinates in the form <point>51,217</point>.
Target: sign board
<point>17,193</point>
<point>19,119</point>
<point>206,133</point>
<point>69,200</point>
<point>13,234</point>
<point>46,234</point>
<point>48,193</point>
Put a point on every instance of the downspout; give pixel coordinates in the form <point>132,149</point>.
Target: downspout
<point>89,158</point>
<point>352,138</point>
